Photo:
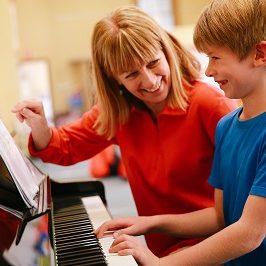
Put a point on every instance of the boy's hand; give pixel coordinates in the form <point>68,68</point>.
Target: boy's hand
<point>132,226</point>
<point>128,245</point>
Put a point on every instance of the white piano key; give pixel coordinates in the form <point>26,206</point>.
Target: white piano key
<point>99,214</point>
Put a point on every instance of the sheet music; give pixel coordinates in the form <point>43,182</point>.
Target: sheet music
<point>26,176</point>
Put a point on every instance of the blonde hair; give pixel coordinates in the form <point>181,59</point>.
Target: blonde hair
<point>236,24</point>
<point>129,37</point>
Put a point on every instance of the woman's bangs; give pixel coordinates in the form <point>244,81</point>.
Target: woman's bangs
<point>131,53</point>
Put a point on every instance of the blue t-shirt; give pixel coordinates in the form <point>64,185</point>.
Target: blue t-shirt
<point>239,169</point>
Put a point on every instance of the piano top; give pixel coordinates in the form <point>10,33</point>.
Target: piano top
<point>34,247</point>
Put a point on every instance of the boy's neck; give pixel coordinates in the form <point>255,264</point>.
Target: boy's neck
<point>254,104</point>
<point>253,107</point>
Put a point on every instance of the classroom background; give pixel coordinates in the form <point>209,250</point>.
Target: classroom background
<point>45,51</point>
<point>45,54</point>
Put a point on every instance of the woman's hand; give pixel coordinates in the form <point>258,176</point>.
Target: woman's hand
<point>32,112</point>
<point>128,245</point>
<point>131,226</point>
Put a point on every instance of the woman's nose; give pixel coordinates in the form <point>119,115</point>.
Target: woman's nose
<point>148,79</point>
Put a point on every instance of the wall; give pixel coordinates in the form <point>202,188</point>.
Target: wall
<point>60,31</point>
<point>187,11</point>
<point>8,87</point>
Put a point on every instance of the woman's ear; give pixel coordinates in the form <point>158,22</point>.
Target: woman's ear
<point>260,54</point>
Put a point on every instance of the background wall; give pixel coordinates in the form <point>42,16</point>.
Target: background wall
<point>187,11</point>
<point>8,85</point>
<point>59,31</point>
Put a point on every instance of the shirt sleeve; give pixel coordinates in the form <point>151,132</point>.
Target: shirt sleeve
<point>72,143</point>
<point>259,185</point>
<point>215,180</point>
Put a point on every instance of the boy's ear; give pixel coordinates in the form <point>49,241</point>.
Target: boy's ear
<point>260,54</point>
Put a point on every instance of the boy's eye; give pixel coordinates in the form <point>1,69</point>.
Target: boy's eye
<point>212,57</point>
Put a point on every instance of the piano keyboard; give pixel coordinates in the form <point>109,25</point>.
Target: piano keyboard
<point>99,214</point>
<point>74,220</point>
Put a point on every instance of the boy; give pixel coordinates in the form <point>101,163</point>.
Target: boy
<point>233,35</point>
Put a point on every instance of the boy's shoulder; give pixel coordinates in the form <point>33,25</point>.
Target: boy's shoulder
<point>230,116</point>
<point>228,119</point>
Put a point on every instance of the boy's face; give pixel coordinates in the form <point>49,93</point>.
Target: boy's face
<point>234,76</point>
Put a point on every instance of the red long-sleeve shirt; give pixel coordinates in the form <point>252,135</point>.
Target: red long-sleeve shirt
<point>168,162</point>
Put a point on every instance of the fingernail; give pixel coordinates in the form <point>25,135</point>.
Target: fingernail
<point>116,234</point>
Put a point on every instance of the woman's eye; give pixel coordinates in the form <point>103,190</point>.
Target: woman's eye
<point>153,63</point>
<point>131,75</point>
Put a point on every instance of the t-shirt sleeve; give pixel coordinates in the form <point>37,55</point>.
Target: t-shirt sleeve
<point>215,179</point>
<point>259,184</point>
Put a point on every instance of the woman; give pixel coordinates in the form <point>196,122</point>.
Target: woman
<point>151,104</point>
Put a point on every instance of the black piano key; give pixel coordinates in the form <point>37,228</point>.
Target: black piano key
<point>71,224</point>
<point>80,230</point>
<point>75,259</point>
<point>78,254</point>
<point>74,249</point>
<point>74,239</point>
<point>69,237</point>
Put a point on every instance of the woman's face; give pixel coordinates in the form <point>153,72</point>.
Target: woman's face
<point>150,83</point>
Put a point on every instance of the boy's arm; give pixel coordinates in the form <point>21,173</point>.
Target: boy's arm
<point>238,239</point>
<point>199,223</point>
<point>195,224</point>
<point>233,241</point>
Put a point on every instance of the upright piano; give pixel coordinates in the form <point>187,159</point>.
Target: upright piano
<point>65,235</point>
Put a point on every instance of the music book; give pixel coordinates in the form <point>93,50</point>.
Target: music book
<point>24,190</point>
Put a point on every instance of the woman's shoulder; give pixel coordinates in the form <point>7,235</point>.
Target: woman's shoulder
<point>205,95</point>
<point>202,89</point>
<point>93,112</point>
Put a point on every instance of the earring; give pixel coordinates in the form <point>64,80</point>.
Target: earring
<point>121,92</point>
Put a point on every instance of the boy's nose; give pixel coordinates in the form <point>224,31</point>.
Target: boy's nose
<point>209,71</point>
